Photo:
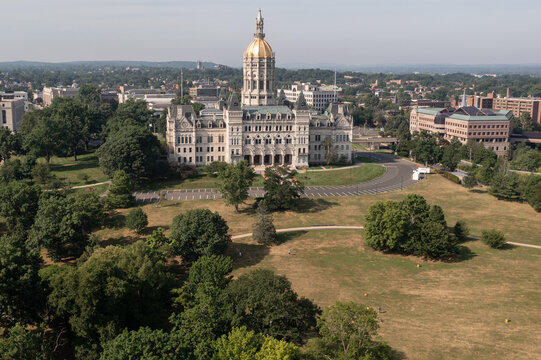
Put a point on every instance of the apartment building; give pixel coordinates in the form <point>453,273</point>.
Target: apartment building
<point>51,93</point>
<point>317,97</point>
<point>489,127</point>
<point>11,112</point>
<point>518,106</point>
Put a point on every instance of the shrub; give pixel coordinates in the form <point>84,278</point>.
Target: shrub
<point>137,220</point>
<point>461,231</point>
<point>470,181</point>
<point>493,238</point>
<point>83,177</point>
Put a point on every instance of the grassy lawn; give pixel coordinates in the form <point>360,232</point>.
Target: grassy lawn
<point>355,175</point>
<point>358,147</point>
<point>365,159</point>
<point>331,178</point>
<point>72,171</point>
<point>439,311</point>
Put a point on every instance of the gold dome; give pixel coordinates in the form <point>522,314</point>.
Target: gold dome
<point>258,48</point>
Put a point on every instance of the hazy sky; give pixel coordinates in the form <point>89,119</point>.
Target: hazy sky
<point>349,32</point>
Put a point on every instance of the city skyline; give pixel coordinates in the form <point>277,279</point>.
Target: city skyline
<point>390,32</point>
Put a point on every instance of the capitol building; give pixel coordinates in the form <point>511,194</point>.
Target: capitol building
<point>258,128</point>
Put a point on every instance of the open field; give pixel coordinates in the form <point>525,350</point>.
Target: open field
<point>439,311</point>
<point>71,171</point>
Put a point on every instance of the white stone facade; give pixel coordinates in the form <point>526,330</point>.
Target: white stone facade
<point>258,129</point>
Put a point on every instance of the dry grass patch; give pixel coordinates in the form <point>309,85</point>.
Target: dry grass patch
<point>441,310</point>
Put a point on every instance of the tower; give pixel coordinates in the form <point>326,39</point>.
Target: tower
<point>258,70</point>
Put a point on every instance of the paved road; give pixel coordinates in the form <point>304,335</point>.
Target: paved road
<point>397,176</point>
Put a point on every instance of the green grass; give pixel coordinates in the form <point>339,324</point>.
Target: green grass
<point>365,159</point>
<point>313,178</point>
<point>68,170</point>
<point>349,176</point>
<point>359,147</point>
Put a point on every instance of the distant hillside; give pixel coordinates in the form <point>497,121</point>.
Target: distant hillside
<point>64,65</point>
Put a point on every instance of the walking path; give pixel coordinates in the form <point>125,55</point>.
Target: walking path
<point>352,227</point>
<point>307,228</point>
<point>90,185</point>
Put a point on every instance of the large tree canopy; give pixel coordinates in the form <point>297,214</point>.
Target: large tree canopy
<point>114,289</point>
<point>133,149</point>
<point>281,188</point>
<point>199,232</point>
<point>63,223</point>
<point>266,303</point>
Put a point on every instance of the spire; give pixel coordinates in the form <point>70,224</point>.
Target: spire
<point>301,102</point>
<point>463,99</point>
<point>259,26</point>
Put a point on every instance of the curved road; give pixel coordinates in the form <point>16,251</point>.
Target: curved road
<point>397,176</point>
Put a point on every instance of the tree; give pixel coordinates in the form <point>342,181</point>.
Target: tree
<point>19,205</point>
<point>235,181</point>
<point>20,343</point>
<point>532,192</point>
<point>436,214</point>
<point>244,344</point>
<point>43,134</point>
<point>130,113</point>
<point>10,143</point>
<point>426,149</point>
<point>451,155</point>
<point>143,343</point>
<point>469,181</point>
<point>507,186</point>
<point>21,291</point>
<point>203,318</point>
<point>436,241</point>
<point>120,193</point>
<point>240,343</point>
<point>281,188</point>
<point>11,170</point>
<point>410,226</point>
<point>41,173</point>
<point>199,232</point>
<point>348,331</point>
<point>263,228</point>
<point>133,149</point>
<point>89,95</point>
<point>157,240</point>
<point>461,231</point>
<point>137,220</point>
<point>62,224</point>
<point>266,303</point>
<point>386,227</point>
<point>73,118</point>
<point>331,157</point>
<point>493,238</point>
<point>114,289</point>
<point>274,349</point>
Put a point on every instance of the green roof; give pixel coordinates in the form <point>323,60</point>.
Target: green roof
<point>267,109</point>
<point>430,111</point>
